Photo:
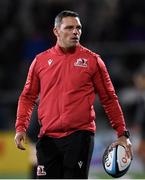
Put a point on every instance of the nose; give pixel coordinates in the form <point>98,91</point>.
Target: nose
<point>75,31</point>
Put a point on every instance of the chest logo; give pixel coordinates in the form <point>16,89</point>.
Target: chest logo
<point>50,61</point>
<point>81,62</point>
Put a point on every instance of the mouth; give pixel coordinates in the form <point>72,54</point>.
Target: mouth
<point>75,39</point>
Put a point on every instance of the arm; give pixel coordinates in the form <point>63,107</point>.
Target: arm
<point>110,103</point>
<point>26,104</point>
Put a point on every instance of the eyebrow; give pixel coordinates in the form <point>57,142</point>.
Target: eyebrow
<point>71,26</point>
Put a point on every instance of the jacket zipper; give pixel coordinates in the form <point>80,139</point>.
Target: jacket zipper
<point>61,105</point>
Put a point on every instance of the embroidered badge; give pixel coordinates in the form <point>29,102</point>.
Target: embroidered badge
<point>41,171</point>
<point>50,61</point>
<point>81,62</point>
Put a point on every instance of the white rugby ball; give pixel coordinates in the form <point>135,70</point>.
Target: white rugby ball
<point>115,161</point>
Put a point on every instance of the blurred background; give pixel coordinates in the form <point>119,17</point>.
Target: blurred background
<point>115,29</point>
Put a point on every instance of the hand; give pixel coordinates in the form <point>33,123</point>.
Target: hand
<point>122,140</point>
<point>19,137</point>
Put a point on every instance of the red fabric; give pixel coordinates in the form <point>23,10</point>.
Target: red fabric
<point>67,84</point>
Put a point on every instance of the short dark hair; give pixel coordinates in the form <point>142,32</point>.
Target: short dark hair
<point>62,14</point>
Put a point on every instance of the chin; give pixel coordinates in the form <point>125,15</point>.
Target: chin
<point>74,44</point>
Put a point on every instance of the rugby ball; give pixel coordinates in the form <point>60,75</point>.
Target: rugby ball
<point>115,161</point>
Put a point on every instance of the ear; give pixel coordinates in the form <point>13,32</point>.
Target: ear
<point>55,31</point>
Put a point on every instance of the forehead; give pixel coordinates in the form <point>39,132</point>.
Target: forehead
<point>70,21</point>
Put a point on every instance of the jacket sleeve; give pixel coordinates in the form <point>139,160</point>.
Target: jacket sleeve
<point>109,100</point>
<point>27,99</point>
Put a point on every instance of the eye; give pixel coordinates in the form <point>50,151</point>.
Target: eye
<point>69,27</point>
<point>79,27</point>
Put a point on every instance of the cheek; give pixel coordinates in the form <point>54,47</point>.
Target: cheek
<point>65,35</point>
<point>80,32</point>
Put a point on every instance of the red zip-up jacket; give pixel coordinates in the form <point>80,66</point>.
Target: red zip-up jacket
<point>67,84</point>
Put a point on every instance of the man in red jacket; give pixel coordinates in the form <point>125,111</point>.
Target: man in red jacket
<point>67,78</point>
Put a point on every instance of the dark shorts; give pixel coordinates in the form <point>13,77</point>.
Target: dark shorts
<point>65,158</point>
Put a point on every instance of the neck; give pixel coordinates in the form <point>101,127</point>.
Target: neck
<point>67,49</point>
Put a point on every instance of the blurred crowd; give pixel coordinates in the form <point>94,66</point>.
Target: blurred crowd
<point>113,28</point>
